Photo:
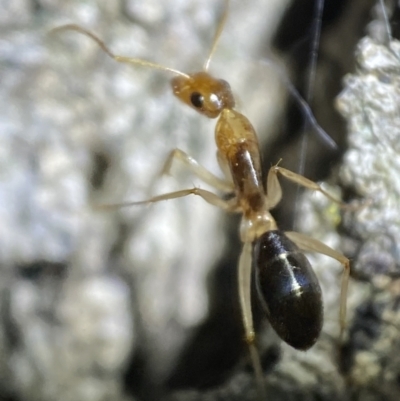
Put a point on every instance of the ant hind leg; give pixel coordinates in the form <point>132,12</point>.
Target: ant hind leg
<point>244,282</point>
<point>308,244</point>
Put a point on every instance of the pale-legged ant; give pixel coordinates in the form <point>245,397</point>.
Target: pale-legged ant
<point>286,283</point>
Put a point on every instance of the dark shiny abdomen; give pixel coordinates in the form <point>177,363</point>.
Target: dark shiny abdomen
<point>289,289</point>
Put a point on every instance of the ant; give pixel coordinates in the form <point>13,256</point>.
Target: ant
<point>286,283</point>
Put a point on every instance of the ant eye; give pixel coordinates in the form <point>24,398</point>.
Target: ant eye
<point>197,100</point>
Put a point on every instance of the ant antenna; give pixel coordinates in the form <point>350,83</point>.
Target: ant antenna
<point>220,28</point>
<point>119,59</point>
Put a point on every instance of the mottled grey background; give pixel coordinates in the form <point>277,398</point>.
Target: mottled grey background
<point>104,305</point>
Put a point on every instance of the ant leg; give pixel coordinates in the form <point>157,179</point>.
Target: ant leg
<point>197,169</point>
<point>228,205</point>
<point>244,281</point>
<point>308,244</point>
<point>304,182</point>
<point>274,190</point>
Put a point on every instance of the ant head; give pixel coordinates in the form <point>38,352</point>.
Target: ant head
<point>208,95</point>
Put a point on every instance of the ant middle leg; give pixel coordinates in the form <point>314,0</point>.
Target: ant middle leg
<point>230,205</point>
<point>300,180</point>
<point>308,244</point>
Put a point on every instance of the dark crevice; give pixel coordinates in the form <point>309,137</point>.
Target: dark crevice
<point>101,164</point>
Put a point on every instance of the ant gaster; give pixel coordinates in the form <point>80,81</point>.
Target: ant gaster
<point>285,280</point>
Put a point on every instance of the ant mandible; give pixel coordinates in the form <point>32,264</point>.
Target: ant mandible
<point>286,283</point>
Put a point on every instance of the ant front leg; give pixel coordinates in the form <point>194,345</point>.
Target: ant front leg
<point>308,244</point>
<point>195,168</point>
